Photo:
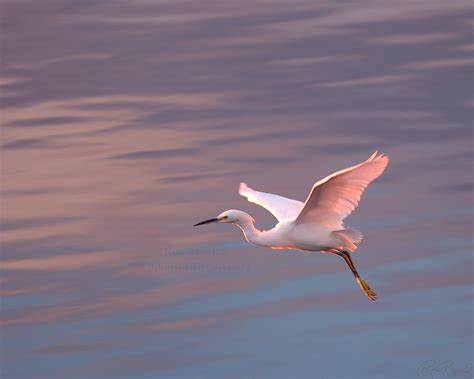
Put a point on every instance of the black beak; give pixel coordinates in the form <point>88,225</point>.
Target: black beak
<point>215,219</point>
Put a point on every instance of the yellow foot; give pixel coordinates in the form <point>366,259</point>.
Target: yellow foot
<point>366,288</point>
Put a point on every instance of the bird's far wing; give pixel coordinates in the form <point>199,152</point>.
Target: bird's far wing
<point>334,198</point>
<point>279,206</point>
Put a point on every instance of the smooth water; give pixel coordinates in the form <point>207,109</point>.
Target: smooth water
<point>126,122</point>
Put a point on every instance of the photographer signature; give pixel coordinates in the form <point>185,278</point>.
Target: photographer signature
<point>447,369</point>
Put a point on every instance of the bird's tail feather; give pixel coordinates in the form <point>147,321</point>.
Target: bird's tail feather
<point>350,238</point>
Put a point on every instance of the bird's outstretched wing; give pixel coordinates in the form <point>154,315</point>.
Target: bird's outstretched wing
<point>279,206</point>
<point>334,198</point>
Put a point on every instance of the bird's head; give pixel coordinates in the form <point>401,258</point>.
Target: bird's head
<point>231,216</point>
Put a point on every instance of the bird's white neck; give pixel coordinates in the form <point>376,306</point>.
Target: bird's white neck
<point>251,233</point>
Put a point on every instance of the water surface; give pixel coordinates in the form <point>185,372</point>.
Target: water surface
<point>126,122</point>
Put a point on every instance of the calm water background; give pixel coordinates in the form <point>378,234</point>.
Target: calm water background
<point>125,122</point>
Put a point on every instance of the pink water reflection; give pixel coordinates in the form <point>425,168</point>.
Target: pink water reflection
<point>124,124</point>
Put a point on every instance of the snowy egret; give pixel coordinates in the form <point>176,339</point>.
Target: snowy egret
<point>316,224</point>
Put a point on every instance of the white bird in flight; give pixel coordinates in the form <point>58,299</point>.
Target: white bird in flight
<point>316,224</point>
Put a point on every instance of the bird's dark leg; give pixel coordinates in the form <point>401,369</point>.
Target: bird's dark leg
<point>362,283</point>
<point>347,258</point>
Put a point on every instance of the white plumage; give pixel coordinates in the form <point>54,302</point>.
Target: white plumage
<point>316,224</point>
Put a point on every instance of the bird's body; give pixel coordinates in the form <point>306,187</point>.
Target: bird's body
<point>316,224</point>
<point>286,235</point>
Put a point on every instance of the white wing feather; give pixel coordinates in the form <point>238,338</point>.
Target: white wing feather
<point>280,207</point>
<point>334,198</point>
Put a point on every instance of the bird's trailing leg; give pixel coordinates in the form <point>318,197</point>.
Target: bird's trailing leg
<point>361,282</point>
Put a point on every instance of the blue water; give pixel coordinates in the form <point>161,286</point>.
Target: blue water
<point>124,123</point>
